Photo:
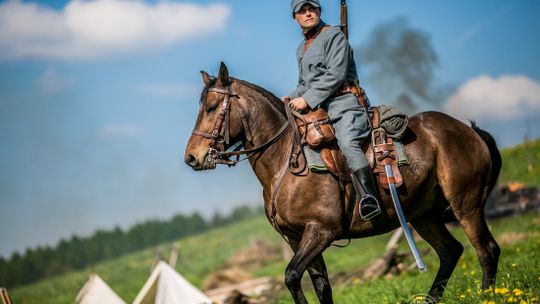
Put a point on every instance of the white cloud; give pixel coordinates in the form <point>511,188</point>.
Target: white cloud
<point>120,130</point>
<point>98,28</point>
<point>487,99</point>
<point>52,83</point>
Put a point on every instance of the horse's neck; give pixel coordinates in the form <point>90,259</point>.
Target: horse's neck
<point>265,119</point>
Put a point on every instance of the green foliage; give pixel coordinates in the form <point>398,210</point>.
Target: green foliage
<point>521,164</point>
<point>77,253</point>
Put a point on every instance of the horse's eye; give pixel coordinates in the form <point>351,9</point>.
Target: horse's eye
<point>211,108</point>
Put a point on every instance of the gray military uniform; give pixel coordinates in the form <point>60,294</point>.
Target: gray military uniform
<point>323,69</point>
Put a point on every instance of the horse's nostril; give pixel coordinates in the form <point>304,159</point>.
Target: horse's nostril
<point>191,160</point>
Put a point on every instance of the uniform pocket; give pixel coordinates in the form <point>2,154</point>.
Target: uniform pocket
<point>314,63</point>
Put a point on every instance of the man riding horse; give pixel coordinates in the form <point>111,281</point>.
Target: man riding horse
<point>328,79</point>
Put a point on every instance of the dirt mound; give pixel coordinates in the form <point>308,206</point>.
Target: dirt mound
<point>225,277</point>
<point>258,254</point>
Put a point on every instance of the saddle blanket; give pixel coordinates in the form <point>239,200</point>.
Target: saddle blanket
<point>315,163</point>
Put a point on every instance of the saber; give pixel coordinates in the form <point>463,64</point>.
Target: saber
<point>403,221</point>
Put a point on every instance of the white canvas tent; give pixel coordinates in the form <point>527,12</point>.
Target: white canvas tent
<point>166,286</point>
<point>96,291</point>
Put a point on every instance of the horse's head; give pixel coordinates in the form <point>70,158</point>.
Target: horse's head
<point>218,124</point>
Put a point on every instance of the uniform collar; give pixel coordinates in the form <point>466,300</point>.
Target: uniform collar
<point>314,31</point>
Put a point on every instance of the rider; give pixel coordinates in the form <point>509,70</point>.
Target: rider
<point>327,74</point>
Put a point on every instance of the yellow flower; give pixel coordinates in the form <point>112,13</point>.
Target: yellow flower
<point>514,265</point>
<point>473,272</point>
<point>502,291</point>
<point>462,297</point>
<point>489,290</point>
<point>511,300</point>
<point>523,302</point>
<point>517,292</point>
<point>486,302</point>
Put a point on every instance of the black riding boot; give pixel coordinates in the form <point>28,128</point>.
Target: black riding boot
<point>369,206</point>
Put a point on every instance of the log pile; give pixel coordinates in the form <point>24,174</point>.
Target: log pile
<point>511,199</point>
<point>392,263</point>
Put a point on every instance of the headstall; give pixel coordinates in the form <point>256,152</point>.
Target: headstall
<point>220,136</point>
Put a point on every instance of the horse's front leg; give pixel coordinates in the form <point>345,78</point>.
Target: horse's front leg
<point>314,241</point>
<point>319,278</point>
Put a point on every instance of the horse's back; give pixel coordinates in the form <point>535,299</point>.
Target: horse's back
<point>461,157</point>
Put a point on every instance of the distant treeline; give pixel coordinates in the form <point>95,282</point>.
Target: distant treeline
<point>80,252</point>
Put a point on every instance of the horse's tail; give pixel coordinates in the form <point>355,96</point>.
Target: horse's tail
<point>496,159</point>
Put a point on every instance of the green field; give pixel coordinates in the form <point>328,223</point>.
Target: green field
<point>519,268</point>
<point>518,279</point>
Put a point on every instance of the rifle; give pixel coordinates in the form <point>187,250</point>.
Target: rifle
<point>344,18</point>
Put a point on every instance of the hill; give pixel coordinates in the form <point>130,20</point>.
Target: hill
<point>522,164</point>
<point>208,252</point>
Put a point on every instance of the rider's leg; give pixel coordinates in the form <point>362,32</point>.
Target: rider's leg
<point>352,130</point>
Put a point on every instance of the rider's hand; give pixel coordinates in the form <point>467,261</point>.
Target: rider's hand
<point>285,98</point>
<point>299,104</point>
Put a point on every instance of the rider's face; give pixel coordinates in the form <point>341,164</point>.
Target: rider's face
<point>308,17</point>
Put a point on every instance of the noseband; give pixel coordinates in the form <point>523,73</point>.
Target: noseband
<point>220,136</point>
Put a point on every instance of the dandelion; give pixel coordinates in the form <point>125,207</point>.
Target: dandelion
<point>462,297</point>
<point>486,302</point>
<point>517,292</point>
<point>501,291</point>
<point>489,290</point>
<point>523,302</point>
<point>511,300</point>
<point>473,272</point>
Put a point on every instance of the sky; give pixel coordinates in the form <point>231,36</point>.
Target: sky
<point>99,98</point>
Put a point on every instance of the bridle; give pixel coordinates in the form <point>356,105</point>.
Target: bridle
<point>220,136</point>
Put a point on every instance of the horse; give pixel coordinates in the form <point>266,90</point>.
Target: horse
<point>453,166</point>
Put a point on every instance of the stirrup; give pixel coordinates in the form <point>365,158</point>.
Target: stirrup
<point>372,214</point>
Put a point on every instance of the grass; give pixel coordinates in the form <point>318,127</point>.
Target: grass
<point>522,163</point>
<point>518,278</point>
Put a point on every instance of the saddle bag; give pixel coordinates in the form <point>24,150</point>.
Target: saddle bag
<point>315,127</point>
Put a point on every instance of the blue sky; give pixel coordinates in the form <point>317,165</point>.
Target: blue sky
<point>98,98</point>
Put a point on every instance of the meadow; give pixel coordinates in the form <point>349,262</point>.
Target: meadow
<point>518,279</point>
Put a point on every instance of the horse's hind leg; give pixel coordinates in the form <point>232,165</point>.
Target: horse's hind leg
<point>432,229</point>
<point>488,251</point>
<point>314,241</point>
<point>319,278</point>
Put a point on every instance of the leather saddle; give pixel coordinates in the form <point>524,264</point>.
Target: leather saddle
<point>380,151</point>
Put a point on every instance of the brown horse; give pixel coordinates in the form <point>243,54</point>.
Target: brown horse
<point>451,165</point>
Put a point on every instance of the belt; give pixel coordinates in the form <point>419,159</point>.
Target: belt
<point>346,88</point>
<point>351,87</point>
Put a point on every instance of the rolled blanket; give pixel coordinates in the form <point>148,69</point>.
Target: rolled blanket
<point>393,121</point>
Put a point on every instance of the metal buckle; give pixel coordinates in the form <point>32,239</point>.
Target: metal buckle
<point>213,155</point>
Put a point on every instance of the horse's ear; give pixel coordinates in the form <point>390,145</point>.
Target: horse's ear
<point>223,77</point>
<point>205,77</point>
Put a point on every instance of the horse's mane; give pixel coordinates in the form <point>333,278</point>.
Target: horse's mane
<point>273,99</point>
